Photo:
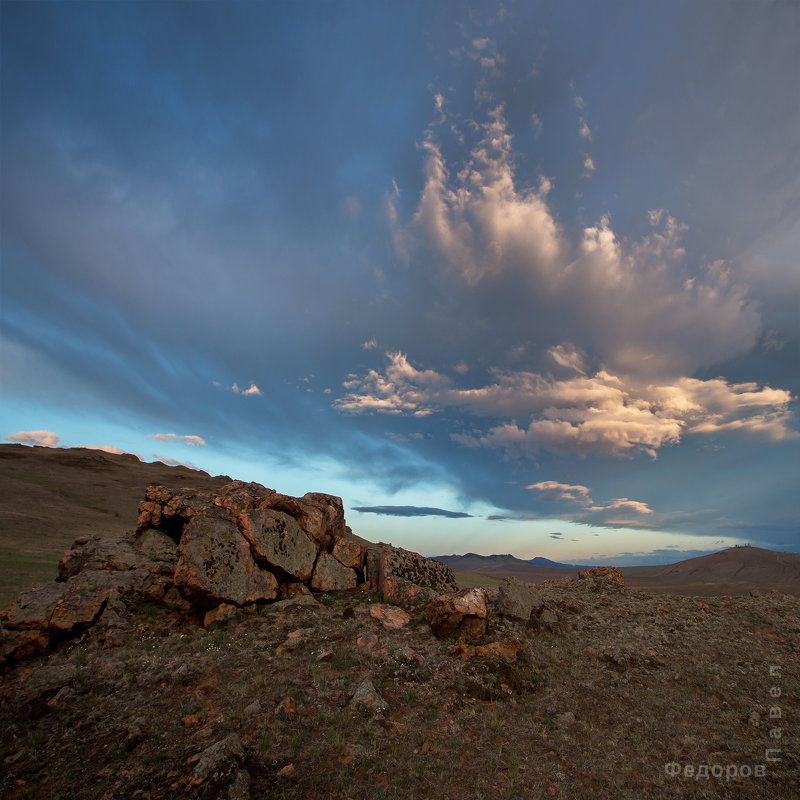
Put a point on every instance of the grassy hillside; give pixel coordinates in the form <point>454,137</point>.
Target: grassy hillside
<point>50,496</point>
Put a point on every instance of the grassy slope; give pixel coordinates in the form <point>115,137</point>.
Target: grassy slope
<point>51,496</point>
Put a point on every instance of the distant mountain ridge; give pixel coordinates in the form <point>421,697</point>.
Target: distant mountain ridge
<point>735,570</point>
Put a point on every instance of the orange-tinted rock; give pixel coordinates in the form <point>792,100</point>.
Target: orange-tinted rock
<point>333,511</point>
<point>80,604</point>
<point>348,551</point>
<point>277,540</point>
<point>462,613</point>
<point>329,575</point>
<point>33,609</point>
<point>391,617</point>
<point>22,645</point>
<point>215,565</point>
<point>603,575</point>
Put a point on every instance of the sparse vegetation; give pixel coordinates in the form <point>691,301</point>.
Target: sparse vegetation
<point>624,684</point>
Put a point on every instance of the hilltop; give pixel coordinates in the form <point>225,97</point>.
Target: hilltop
<point>239,643</point>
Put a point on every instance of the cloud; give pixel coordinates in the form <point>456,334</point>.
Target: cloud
<point>252,391</point>
<point>598,413</point>
<point>174,462</point>
<point>37,438</point>
<point>623,503</point>
<point>585,132</point>
<point>642,304</point>
<point>514,518</point>
<point>370,344</point>
<point>555,491</point>
<point>619,513</point>
<point>411,511</point>
<point>478,221</point>
<point>191,439</point>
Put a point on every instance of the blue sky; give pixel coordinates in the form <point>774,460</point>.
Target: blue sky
<point>507,278</point>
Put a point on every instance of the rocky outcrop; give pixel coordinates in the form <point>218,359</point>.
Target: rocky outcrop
<point>209,554</point>
<point>459,614</point>
<point>405,577</point>
<point>603,577</point>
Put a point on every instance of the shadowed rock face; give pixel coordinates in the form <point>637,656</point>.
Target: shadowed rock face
<point>204,553</point>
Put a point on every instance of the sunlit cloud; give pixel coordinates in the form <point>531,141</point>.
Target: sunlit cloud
<point>585,413</point>
<point>190,439</point>
<point>37,438</point>
<point>252,391</point>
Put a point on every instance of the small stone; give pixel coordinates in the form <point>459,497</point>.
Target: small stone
<point>253,709</point>
<point>391,617</point>
<point>367,640</point>
<point>286,709</point>
<point>367,698</point>
<point>219,757</point>
<point>325,655</point>
<point>754,719</point>
<point>286,771</point>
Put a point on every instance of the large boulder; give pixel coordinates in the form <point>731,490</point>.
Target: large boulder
<point>329,575</point>
<point>459,614</point>
<point>518,601</point>
<point>278,541</point>
<point>215,565</point>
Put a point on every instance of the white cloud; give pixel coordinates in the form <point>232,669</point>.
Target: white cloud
<point>585,131</point>
<point>191,439</point>
<point>370,344</point>
<point>589,167</point>
<point>252,391</point>
<point>584,413</point>
<point>37,438</point>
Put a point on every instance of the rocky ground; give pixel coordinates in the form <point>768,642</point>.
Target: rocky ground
<point>605,692</point>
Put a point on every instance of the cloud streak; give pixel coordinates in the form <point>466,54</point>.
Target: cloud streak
<point>411,511</point>
<point>191,440</point>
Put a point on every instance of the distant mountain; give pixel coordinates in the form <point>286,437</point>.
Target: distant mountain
<point>736,570</point>
<point>539,561</point>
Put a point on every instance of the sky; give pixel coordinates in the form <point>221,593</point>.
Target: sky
<point>508,278</point>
